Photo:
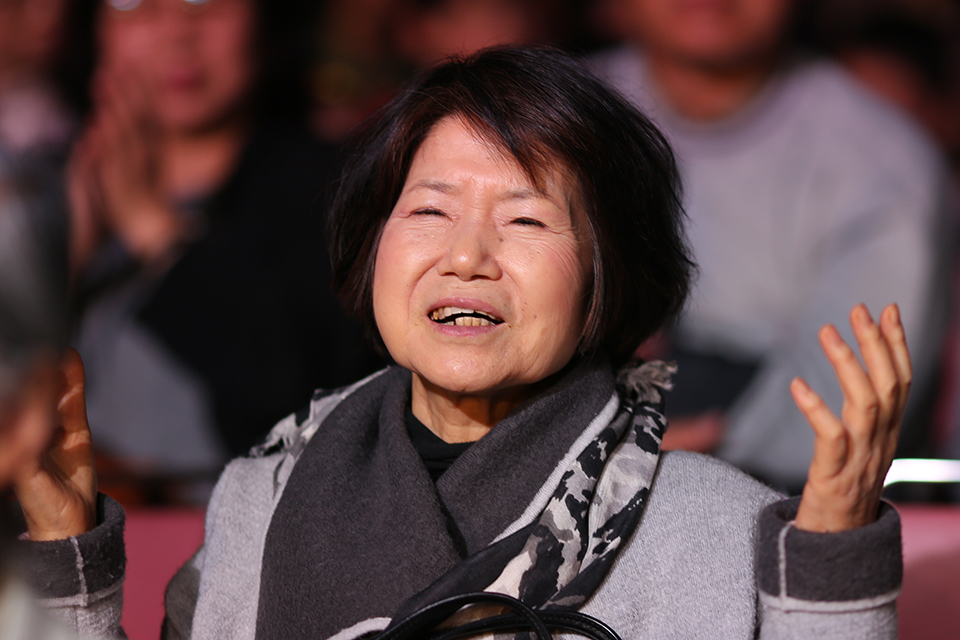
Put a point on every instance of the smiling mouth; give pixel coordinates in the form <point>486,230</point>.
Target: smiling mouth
<point>455,316</point>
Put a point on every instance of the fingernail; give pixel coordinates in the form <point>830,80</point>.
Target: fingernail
<point>895,313</point>
<point>801,389</point>
<point>833,336</point>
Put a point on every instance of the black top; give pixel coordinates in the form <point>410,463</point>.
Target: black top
<point>437,455</point>
<point>249,306</point>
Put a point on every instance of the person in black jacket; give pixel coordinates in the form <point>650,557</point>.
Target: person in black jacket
<point>198,240</point>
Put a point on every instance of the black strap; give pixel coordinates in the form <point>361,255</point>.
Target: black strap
<point>423,622</point>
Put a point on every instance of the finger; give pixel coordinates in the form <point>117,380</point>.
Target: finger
<point>72,406</point>
<point>106,135</point>
<point>880,368</point>
<point>85,224</point>
<point>830,447</point>
<point>115,117</point>
<point>896,339</point>
<point>115,123</point>
<point>129,165</point>
<point>124,103</point>
<point>860,405</point>
<point>138,96</point>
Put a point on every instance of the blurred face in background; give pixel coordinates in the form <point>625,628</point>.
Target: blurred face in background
<point>427,36</point>
<point>710,33</point>
<point>29,33</point>
<point>195,61</point>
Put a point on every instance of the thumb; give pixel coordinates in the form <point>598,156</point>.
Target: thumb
<point>73,405</point>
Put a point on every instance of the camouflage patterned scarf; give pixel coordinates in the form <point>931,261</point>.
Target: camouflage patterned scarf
<point>556,556</point>
<point>333,570</point>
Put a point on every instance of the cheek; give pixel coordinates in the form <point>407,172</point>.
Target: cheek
<point>390,289</point>
<point>381,289</point>
<point>228,46</point>
<point>769,18</point>
<point>555,284</point>
<point>132,45</point>
<point>228,61</point>
<point>650,17</point>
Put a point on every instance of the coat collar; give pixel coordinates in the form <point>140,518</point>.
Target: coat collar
<point>360,527</point>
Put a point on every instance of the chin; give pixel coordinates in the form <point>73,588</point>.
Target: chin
<point>188,117</point>
<point>465,380</point>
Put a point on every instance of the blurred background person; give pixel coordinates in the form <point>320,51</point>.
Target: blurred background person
<point>427,32</point>
<point>33,328</point>
<point>906,56</point>
<point>805,195</point>
<point>34,120</point>
<point>355,69</point>
<point>368,49</point>
<point>198,243</point>
<point>909,55</point>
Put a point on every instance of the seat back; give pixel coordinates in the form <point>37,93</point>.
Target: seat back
<point>158,541</point>
<point>929,605</point>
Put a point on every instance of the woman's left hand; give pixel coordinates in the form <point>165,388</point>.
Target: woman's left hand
<point>853,453</point>
<point>58,492</point>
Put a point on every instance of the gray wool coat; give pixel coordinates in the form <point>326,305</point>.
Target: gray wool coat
<point>715,556</point>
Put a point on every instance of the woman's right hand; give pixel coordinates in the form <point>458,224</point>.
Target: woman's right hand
<point>114,174</point>
<point>58,494</point>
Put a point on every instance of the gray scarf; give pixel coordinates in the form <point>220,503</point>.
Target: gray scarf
<point>537,509</point>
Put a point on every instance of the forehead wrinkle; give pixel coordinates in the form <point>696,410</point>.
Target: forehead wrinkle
<point>438,186</point>
<point>521,193</point>
<point>556,176</point>
<point>501,153</point>
<point>524,193</point>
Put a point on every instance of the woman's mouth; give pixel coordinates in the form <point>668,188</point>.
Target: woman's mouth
<point>459,317</point>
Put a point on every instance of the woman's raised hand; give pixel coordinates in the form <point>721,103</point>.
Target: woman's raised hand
<point>58,494</point>
<point>853,453</point>
<point>114,178</point>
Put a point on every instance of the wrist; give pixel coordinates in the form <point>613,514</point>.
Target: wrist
<point>833,514</point>
<point>152,232</point>
<point>68,522</point>
<point>77,527</point>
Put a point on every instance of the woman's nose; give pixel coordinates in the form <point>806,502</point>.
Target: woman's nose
<point>471,251</point>
<point>177,20</point>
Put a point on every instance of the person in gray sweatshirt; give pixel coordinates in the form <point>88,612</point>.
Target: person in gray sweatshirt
<point>806,195</point>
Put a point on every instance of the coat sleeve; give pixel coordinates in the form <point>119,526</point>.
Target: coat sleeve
<point>829,586</point>
<point>79,580</point>
<point>180,600</point>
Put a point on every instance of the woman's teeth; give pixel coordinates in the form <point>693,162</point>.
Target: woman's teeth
<point>470,321</point>
<point>463,317</point>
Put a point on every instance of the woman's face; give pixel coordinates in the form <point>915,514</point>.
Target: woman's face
<point>715,33</point>
<point>481,279</point>
<point>196,61</point>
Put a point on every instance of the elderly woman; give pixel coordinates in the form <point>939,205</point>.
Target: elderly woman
<point>510,229</point>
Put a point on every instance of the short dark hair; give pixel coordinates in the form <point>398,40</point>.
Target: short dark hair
<point>545,109</point>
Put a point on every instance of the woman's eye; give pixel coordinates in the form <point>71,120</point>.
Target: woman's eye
<point>529,222</point>
<point>428,211</point>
